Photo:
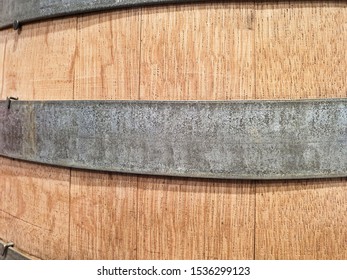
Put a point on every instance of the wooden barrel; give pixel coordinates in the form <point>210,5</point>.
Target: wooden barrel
<point>201,51</point>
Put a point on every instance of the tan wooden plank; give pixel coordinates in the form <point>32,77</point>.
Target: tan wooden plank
<point>34,208</point>
<point>38,64</point>
<point>108,56</point>
<point>40,59</point>
<point>195,219</point>
<point>301,50</point>
<point>192,52</point>
<point>103,216</point>
<point>3,37</point>
<point>201,51</point>
<point>301,53</point>
<point>104,206</point>
<point>301,220</point>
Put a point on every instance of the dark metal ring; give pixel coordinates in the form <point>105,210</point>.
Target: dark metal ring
<point>16,12</point>
<point>212,139</point>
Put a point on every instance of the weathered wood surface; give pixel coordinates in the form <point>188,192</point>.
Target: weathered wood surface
<point>266,50</point>
<point>104,206</point>
<point>301,53</point>
<point>3,38</point>
<point>34,208</point>
<point>196,219</point>
<point>34,199</point>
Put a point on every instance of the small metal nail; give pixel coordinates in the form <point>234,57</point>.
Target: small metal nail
<point>9,99</point>
<point>6,246</point>
<point>16,25</point>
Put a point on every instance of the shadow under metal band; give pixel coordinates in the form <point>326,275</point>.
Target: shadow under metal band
<point>25,11</point>
<point>211,139</point>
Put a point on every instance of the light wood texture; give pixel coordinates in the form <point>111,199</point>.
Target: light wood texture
<point>301,219</point>
<point>34,208</point>
<point>195,219</point>
<point>3,38</point>
<point>104,206</point>
<point>35,198</point>
<point>301,53</point>
<point>195,52</point>
<point>107,65</point>
<point>39,60</point>
<point>103,216</point>
<point>301,50</point>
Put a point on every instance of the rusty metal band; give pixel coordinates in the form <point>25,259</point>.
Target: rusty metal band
<point>229,140</point>
<point>24,11</point>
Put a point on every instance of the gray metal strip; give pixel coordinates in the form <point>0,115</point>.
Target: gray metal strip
<point>11,254</point>
<point>32,10</point>
<point>236,139</point>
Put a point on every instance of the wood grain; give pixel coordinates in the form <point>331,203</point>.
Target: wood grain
<point>301,219</point>
<point>301,50</point>
<point>107,63</point>
<point>104,206</point>
<point>35,198</point>
<point>196,52</point>
<point>195,219</point>
<point>34,208</point>
<point>3,37</point>
<point>301,53</point>
<point>39,60</point>
<point>103,216</point>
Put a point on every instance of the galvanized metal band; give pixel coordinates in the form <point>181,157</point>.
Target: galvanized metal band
<point>10,253</point>
<point>236,139</point>
<point>23,11</point>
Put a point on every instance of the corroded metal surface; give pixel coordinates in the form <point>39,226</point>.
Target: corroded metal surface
<point>31,10</point>
<point>236,139</point>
